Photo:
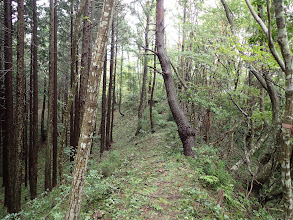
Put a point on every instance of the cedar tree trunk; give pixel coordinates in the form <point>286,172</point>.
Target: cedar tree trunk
<point>33,153</point>
<point>104,104</point>
<point>109,101</point>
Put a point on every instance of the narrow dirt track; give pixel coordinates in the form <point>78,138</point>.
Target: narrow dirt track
<point>154,183</point>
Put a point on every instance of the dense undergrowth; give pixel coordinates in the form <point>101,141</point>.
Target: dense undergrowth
<point>147,177</point>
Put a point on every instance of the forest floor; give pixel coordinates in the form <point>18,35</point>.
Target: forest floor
<point>148,177</point>
<point>154,181</point>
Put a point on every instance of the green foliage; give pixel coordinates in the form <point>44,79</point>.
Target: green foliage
<point>259,116</point>
<point>48,204</point>
<point>96,189</point>
<point>109,165</point>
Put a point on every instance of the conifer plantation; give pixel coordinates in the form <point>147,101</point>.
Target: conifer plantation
<point>146,109</point>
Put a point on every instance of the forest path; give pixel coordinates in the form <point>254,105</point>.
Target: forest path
<point>152,182</point>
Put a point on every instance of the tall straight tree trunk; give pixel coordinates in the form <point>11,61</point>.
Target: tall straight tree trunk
<point>152,93</point>
<point>33,158</point>
<point>120,83</point>
<point>76,111</point>
<point>109,100</point>
<point>2,109</point>
<point>84,65</point>
<point>74,67</point>
<point>143,94</point>
<point>2,103</point>
<point>72,77</point>
<point>55,131</point>
<point>63,140</point>
<point>89,120</point>
<point>113,94</point>
<point>104,104</point>
<point>25,121</point>
<point>50,127</point>
<point>9,116</point>
<point>43,133</point>
<point>74,81</point>
<point>285,151</point>
<point>17,177</point>
<point>185,129</point>
<point>31,136</point>
<point>91,27</point>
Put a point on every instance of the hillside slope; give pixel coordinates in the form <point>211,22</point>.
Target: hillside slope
<point>153,180</point>
<point>147,177</point>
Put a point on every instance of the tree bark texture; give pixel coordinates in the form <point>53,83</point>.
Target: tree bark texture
<point>104,110</point>
<point>33,153</point>
<point>9,116</point>
<point>25,132</point>
<point>75,123</point>
<point>55,131</point>
<point>84,64</point>
<point>66,116</point>
<point>17,174</point>
<point>50,126</point>
<point>109,99</point>
<point>31,109</point>
<point>43,133</point>
<point>113,93</point>
<point>287,118</point>
<point>88,123</point>
<point>72,77</point>
<point>185,129</point>
<point>2,110</point>
<point>2,103</point>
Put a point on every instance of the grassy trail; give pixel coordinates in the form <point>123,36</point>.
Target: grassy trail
<point>152,184</point>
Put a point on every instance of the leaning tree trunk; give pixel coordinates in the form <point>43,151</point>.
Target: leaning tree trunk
<point>89,120</point>
<point>287,119</point>
<point>185,129</point>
